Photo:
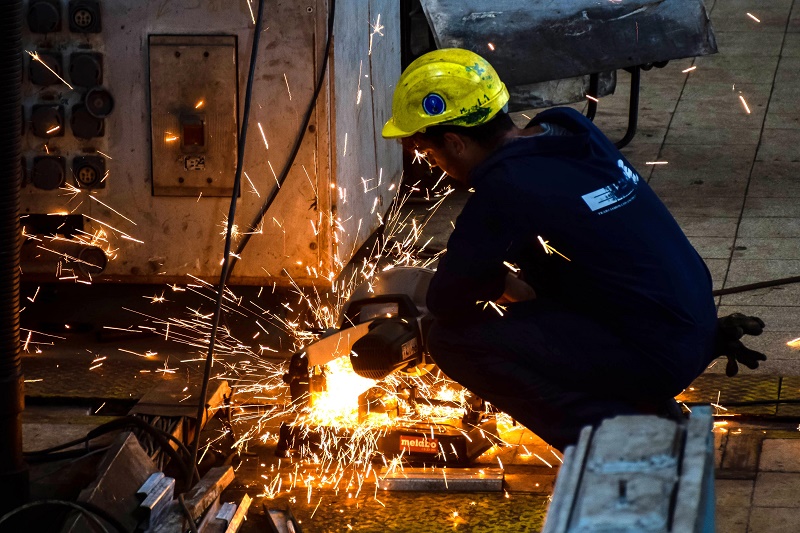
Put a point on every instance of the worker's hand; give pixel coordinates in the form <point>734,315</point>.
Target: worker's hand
<point>516,290</point>
<point>730,329</point>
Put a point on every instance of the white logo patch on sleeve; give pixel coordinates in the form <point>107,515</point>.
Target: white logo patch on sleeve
<point>615,195</point>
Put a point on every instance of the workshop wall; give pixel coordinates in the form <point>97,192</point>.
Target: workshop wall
<point>130,140</point>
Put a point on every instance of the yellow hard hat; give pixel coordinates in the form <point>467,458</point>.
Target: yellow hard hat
<point>449,86</point>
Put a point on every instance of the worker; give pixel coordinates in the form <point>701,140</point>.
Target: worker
<point>568,293</point>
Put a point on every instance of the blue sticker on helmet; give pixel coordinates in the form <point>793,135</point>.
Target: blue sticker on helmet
<point>433,104</point>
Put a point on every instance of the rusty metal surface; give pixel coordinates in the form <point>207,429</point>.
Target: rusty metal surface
<point>52,378</point>
<point>530,42</point>
<point>790,390</point>
<point>720,389</point>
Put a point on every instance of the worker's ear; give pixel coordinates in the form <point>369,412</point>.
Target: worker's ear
<point>455,143</point>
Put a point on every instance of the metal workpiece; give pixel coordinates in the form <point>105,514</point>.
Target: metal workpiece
<point>529,42</point>
<point>156,90</point>
<point>157,500</point>
<point>558,92</point>
<point>439,479</point>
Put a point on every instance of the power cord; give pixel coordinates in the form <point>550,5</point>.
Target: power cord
<point>229,260</point>
<point>162,438</point>
<point>227,263</point>
<point>91,512</point>
<point>256,222</point>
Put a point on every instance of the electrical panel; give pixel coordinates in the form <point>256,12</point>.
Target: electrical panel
<point>132,115</point>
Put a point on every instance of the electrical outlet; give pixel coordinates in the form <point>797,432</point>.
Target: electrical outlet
<point>44,16</point>
<point>84,16</point>
<point>89,171</point>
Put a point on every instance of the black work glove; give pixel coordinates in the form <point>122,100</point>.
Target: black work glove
<point>730,329</point>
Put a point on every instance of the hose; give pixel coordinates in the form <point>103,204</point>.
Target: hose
<point>14,484</point>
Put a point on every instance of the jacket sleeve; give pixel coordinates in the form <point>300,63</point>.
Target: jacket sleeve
<point>472,269</point>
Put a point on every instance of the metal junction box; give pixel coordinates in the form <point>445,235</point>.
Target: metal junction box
<point>131,118</point>
<point>193,114</point>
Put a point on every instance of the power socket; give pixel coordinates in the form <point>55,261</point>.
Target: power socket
<point>89,171</point>
<point>84,16</point>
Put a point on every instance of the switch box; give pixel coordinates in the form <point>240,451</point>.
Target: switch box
<point>193,114</point>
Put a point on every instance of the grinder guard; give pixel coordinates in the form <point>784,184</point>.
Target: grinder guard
<point>382,327</point>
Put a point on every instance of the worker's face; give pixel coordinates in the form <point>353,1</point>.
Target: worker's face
<point>449,155</point>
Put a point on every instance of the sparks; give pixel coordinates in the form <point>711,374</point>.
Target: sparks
<point>794,343</point>
<point>35,56</point>
<point>753,17</point>
<point>549,249</point>
<point>263,136</point>
<point>744,103</point>
<point>199,104</point>
<point>657,163</point>
<point>690,69</point>
<point>491,46</point>
<point>53,129</point>
<point>287,86</point>
<point>592,98</point>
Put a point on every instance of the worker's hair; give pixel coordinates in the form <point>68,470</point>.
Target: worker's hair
<point>486,134</point>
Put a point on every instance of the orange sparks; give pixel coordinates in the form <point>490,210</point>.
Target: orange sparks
<point>753,17</point>
<point>794,343</point>
<point>693,67</point>
<point>263,136</point>
<point>549,249</point>
<point>744,103</point>
<point>199,104</point>
<point>35,56</point>
<point>657,163</point>
<point>491,47</point>
<point>592,98</point>
<point>53,129</point>
<point>170,137</point>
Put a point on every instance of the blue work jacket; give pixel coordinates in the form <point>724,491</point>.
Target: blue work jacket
<point>586,232</point>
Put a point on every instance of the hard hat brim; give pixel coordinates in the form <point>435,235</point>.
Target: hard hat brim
<point>391,131</point>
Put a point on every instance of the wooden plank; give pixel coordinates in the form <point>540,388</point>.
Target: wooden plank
<point>629,475</point>
<point>694,506</point>
<point>208,489</point>
<point>239,515</point>
<point>363,82</point>
<point>567,484</point>
<point>623,477</point>
<point>166,400</point>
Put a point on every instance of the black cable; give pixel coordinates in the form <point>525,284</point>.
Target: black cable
<point>92,512</point>
<point>187,514</point>
<point>161,437</point>
<point>754,286</point>
<point>297,143</point>
<point>227,263</point>
<point>750,403</point>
